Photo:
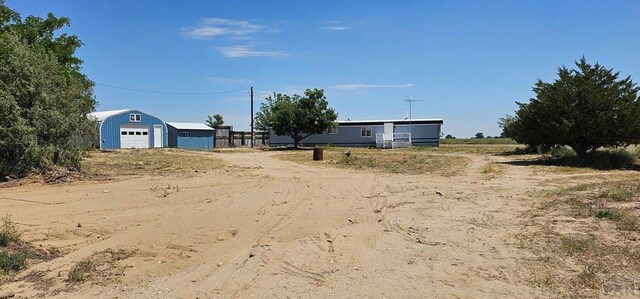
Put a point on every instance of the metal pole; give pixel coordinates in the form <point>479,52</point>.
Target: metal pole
<point>252,136</point>
<point>410,123</point>
<point>409,100</point>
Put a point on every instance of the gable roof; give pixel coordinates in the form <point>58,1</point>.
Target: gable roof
<point>190,126</point>
<point>102,115</point>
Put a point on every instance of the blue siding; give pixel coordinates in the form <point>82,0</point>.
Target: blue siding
<point>351,135</point>
<point>197,140</point>
<point>110,128</point>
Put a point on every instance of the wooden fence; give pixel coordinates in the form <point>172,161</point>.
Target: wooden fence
<point>227,137</point>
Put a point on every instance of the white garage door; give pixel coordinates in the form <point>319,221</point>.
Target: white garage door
<point>134,137</point>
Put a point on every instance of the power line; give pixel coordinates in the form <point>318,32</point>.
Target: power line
<point>169,92</point>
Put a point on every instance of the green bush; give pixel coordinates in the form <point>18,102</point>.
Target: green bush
<point>13,261</point>
<point>8,231</point>
<point>599,159</point>
<point>527,150</point>
<point>44,98</point>
<point>562,152</point>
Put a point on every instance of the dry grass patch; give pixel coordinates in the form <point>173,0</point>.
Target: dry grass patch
<point>482,149</point>
<point>586,239</point>
<point>407,161</point>
<point>552,169</point>
<point>102,267</point>
<point>148,161</point>
<point>493,169</point>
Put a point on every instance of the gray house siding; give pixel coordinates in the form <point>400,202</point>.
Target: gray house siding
<point>350,134</point>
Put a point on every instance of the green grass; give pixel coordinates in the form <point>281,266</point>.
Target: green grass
<point>13,261</point>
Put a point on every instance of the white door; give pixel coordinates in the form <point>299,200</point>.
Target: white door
<point>388,131</point>
<point>134,137</point>
<point>157,135</point>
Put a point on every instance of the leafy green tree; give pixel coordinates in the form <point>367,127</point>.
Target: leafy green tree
<point>215,120</point>
<point>296,116</point>
<point>449,136</point>
<point>586,108</point>
<point>479,135</point>
<point>44,98</point>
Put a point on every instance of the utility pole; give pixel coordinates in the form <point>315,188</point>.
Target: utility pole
<point>252,136</point>
<point>409,100</point>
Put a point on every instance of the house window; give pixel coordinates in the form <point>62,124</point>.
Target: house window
<point>123,133</point>
<point>333,130</point>
<point>366,132</point>
<point>138,133</point>
<point>134,118</point>
<point>145,133</point>
<point>185,134</point>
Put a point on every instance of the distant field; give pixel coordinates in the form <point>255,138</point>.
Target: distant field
<point>478,141</point>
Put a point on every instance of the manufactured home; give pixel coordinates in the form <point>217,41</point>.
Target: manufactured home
<point>372,133</point>
<point>129,128</point>
<point>194,136</point>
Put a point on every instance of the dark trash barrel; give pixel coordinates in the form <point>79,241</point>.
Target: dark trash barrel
<point>318,154</point>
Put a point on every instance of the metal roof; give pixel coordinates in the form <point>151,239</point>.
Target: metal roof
<point>190,126</point>
<point>396,121</point>
<point>102,115</point>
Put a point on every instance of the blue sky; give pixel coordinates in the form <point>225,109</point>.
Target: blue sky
<point>467,62</point>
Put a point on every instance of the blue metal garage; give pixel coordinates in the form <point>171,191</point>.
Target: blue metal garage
<point>129,128</point>
<point>190,136</point>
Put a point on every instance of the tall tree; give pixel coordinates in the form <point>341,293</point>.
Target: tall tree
<point>214,120</point>
<point>586,108</point>
<point>296,116</point>
<point>44,98</point>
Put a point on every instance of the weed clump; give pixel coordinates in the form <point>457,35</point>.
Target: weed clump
<point>610,214</point>
<point>8,232</point>
<point>81,270</point>
<point>13,261</point>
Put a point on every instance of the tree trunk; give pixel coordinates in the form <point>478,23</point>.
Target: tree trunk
<point>580,151</point>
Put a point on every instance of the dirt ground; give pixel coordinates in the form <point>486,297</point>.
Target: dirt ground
<point>262,226</point>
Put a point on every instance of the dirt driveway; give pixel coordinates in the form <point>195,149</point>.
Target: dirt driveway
<point>273,228</point>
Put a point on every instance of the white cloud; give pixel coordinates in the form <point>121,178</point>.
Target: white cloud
<point>335,26</point>
<point>247,51</point>
<point>356,86</point>
<point>219,27</point>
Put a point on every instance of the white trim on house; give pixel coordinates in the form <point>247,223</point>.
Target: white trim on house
<point>190,126</point>
<point>135,117</point>
<point>366,131</point>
